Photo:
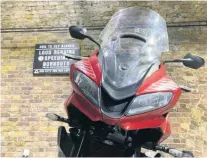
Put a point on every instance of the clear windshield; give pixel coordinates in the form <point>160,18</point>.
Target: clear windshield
<point>131,42</point>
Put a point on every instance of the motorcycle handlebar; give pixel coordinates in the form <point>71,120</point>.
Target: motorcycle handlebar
<point>178,153</point>
<point>175,152</point>
<point>185,88</point>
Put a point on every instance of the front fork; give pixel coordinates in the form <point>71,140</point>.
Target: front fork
<point>71,144</point>
<point>77,146</point>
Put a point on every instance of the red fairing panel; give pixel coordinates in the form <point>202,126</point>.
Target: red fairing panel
<point>166,129</point>
<point>110,121</point>
<point>86,107</point>
<point>67,103</point>
<point>157,82</point>
<point>83,105</point>
<point>91,68</point>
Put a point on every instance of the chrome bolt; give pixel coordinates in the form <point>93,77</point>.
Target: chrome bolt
<point>130,144</point>
<point>91,132</point>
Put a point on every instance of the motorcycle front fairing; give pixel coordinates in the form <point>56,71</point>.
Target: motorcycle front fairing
<point>127,66</point>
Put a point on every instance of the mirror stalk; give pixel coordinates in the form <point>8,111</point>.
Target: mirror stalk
<point>189,60</point>
<point>90,38</point>
<point>80,33</point>
<point>74,57</point>
<point>177,60</point>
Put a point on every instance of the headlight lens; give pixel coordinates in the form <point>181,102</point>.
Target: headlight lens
<point>87,87</point>
<point>149,102</point>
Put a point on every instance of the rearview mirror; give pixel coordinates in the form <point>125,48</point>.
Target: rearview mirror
<point>78,32</point>
<point>193,61</point>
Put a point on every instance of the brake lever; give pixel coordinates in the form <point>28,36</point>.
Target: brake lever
<point>185,88</point>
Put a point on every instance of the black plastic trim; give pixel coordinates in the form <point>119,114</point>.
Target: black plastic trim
<point>113,108</point>
<point>65,142</point>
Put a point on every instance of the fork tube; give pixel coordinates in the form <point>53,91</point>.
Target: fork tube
<point>81,145</point>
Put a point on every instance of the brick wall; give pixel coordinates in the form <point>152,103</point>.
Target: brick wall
<point>26,99</point>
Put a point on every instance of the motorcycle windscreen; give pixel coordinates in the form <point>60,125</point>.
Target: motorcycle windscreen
<point>131,43</point>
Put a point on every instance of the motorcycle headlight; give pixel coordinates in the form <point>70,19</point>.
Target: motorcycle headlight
<point>149,102</point>
<point>89,88</point>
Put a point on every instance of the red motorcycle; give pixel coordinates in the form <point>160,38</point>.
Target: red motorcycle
<point>122,94</point>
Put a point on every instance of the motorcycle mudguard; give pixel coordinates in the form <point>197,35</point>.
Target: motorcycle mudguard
<point>65,143</point>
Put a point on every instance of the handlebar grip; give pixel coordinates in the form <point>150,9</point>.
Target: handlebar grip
<point>174,152</point>
<point>178,153</point>
<point>187,154</point>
